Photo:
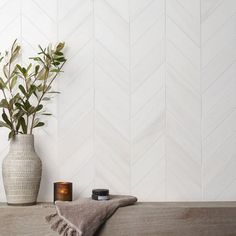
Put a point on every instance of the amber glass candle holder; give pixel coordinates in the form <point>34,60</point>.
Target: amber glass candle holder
<point>62,191</point>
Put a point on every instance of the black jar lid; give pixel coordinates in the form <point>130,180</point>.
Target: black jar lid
<point>101,192</point>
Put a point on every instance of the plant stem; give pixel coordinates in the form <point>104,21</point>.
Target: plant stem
<point>27,123</point>
<point>9,70</point>
<point>9,81</point>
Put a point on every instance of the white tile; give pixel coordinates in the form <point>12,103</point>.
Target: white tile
<point>147,103</point>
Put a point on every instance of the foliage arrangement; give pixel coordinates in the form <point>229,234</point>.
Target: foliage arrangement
<point>26,89</point>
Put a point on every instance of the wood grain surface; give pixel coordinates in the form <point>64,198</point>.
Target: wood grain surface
<point>146,219</point>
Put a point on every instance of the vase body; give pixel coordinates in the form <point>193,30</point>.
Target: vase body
<point>22,170</point>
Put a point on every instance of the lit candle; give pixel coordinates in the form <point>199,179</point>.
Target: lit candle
<point>63,191</point>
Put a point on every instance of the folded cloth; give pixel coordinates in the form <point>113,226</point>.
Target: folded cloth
<point>84,216</point>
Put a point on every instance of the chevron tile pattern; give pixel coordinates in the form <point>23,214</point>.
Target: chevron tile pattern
<point>147,103</point>
<point>219,98</point>
<point>75,104</point>
<point>183,100</point>
<point>147,111</point>
<point>112,132</point>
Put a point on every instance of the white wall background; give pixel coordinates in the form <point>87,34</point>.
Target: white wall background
<point>148,102</point>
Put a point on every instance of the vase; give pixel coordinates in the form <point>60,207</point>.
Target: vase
<point>22,171</point>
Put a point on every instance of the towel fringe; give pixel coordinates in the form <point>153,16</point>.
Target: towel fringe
<point>66,231</point>
<point>60,226</point>
<point>56,225</point>
<point>50,217</point>
<point>73,233</point>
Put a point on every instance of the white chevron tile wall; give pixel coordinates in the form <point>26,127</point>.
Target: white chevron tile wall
<point>76,102</point>
<point>148,102</point>
<point>112,107</point>
<point>147,107</point>
<point>183,100</point>
<point>219,99</point>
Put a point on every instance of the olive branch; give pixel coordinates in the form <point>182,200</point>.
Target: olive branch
<point>26,89</point>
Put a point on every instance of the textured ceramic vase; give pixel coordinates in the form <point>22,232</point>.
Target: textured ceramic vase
<point>22,170</point>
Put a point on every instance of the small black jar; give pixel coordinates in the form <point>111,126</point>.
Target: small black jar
<point>100,194</point>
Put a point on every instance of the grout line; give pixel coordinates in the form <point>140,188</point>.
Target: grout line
<point>21,29</point>
<point>115,11</point>
<point>57,87</point>
<point>165,126</point>
<point>57,19</point>
<point>201,120</point>
<point>21,5</point>
<point>142,10</point>
<point>130,104</point>
<point>94,107</point>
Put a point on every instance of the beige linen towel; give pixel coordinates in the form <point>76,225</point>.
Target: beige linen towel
<point>84,216</point>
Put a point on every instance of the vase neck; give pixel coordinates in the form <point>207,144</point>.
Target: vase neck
<point>22,142</point>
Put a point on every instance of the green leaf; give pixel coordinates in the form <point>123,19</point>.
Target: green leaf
<point>11,103</point>
<point>3,124</point>
<point>35,94</point>
<point>39,124</point>
<point>17,49</point>
<point>32,90</point>
<point>60,46</point>
<point>36,59</point>
<point>4,103</point>
<point>55,70</point>
<point>54,92</point>
<point>16,97</point>
<point>43,74</point>
<point>27,105</point>
<point>38,108</point>
<point>13,82</point>
<point>58,53</point>
<point>22,89</point>
<point>23,125</point>
<point>11,134</point>
<point>18,126</point>
<point>18,115</point>
<point>46,99</point>
<point>36,69</point>
<point>60,59</point>
<point>5,70</point>
<point>22,70</point>
<point>18,105</point>
<point>19,67</point>
<point>2,84</point>
<point>5,118</point>
<point>40,88</point>
<point>15,52</point>
<point>28,68</point>
<point>56,63</point>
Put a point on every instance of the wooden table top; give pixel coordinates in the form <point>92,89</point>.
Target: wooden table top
<point>143,218</point>
<point>157,204</point>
